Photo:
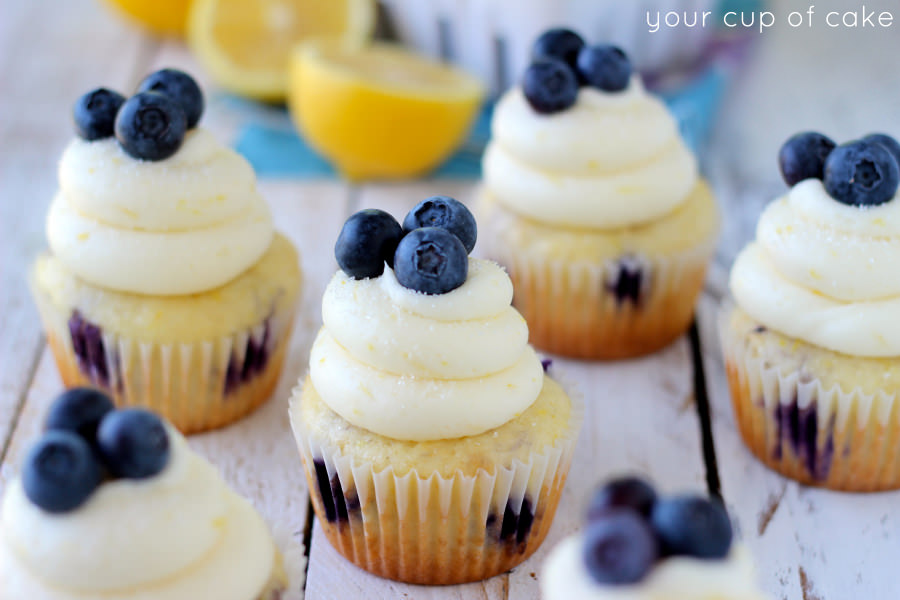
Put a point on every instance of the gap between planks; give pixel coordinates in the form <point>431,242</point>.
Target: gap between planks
<point>808,543</point>
<point>22,397</point>
<point>701,396</point>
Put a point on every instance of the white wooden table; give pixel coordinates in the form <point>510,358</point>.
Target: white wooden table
<point>652,415</point>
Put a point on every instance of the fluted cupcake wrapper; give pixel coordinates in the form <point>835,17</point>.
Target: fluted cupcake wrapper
<point>197,386</point>
<point>616,308</point>
<point>817,435</point>
<point>429,529</point>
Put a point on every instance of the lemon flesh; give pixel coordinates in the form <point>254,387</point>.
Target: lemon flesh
<point>378,110</point>
<point>162,17</point>
<point>246,44</point>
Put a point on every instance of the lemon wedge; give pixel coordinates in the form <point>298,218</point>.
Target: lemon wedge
<point>163,17</point>
<point>245,44</point>
<point>378,110</point>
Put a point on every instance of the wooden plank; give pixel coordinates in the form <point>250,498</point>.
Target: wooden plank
<point>399,198</point>
<point>640,417</point>
<point>756,498</point>
<point>36,104</point>
<point>258,455</point>
<point>44,387</point>
<point>808,543</point>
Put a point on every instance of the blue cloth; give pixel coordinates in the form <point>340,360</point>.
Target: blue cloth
<point>270,142</point>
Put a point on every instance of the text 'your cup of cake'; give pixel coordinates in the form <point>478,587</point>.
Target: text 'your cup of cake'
<point>594,204</point>
<point>435,446</point>
<point>812,337</point>
<point>166,285</point>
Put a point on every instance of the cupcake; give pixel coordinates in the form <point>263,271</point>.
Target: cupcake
<point>114,505</point>
<point>434,445</point>
<point>166,285</point>
<point>592,202</point>
<point>636,546</point>
<point>811,339</point>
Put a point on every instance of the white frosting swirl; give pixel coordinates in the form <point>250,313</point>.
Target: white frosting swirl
<point>413,366</point>
<point>610,160</point>
<point>183,225</point>
<point>164,538</point>
<point>565,577</point>
<point>823,272</point>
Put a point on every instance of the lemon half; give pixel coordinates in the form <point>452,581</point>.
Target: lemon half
<point>245,44</point>
<point>378,110</point>
<point>163,17</point>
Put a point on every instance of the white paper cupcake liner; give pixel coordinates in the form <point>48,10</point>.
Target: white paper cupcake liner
<point>196,386</point>
<point>835,436</point>
<point>429,529</point>
<point>615,308</point>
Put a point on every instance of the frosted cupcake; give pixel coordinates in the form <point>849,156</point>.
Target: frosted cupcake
<point>435,446</point>
<point>113,505</point>
<point>592,202</point>
<point>811,341</point>
<point>167,285</point>
<point>636,546</point>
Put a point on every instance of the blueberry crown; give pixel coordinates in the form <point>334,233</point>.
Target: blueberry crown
<point>428,253</point>
<point>630,529</point>
<point>86,441</point>
<point>152,123</point>
<point>863,172</point>
<point>561,63</point>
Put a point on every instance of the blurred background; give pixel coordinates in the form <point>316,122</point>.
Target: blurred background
<point>738,92</point>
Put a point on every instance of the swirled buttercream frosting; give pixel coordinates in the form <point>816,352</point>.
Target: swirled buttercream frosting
<point>414,366</point>
<point>565,577</point>
<point>180,535</point>
<point>183,225</point>
<point>824,272</point>
<point>610,160</point>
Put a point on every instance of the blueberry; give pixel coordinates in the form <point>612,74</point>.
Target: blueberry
<point>80,411</point>
<point>550,86</point>
<point>861,173</point>
<point>431,260</point>
<point>150,126</point>
<point>890,144</point>
<point>803,157</point>
<point>60,472</point>
<point>95,113</point>
<point>179,86</point>
<point>692,526</point>
<point>606,68</point>
<point>445,212</point>
<point>625,492</point>
<point>619,548</point>
<point>367,241</point>
<point>134,443</point>
<point>561,44</point>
